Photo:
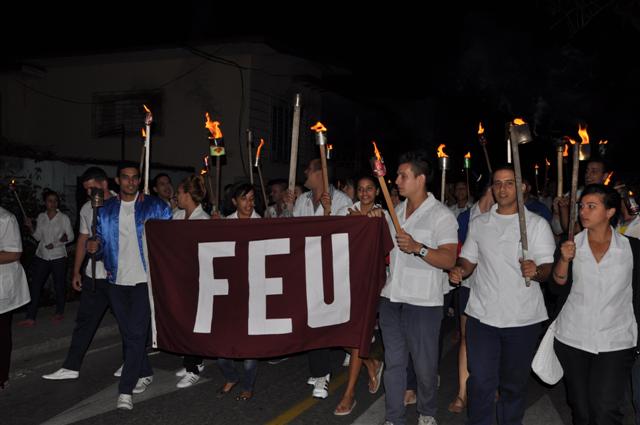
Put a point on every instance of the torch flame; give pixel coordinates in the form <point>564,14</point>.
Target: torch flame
<point>547,163</point>
<point>13,181</point>
<point>565,152</point>
<point>608,179</point>
<point>441,153</point>
<point>536,166</point>
<point>603,142</point>
<point>147,110</point>
<point>376,151</point>
<point>203,171</point>
<point>519,121</point>
<point>213,128</point>
<point>582,131</point>
<point>205,158</point>
<point>319,127</point>
<point>480,128</point>
<point>144,133</point>
<point>630,193</point>
<point>468,155</point>
<point>259,149</point>
<point>329,147</point>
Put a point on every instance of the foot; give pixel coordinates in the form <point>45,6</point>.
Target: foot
<point>27,323</point>
<point>427,420</point>
<point>409,397</point>
<point>142,384</point>
<point>226,389</point>
<point>457,405</point>
<point>244,396</point>
<point>188,380</point>
<point>62,374</point>
<point>125,402</point>
<point>347,360</point>
<point>375,381</point>
<point>345,406</point>
<point>321,387</point>
<point>182,372</point>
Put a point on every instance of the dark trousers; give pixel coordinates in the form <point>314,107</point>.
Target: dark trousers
<point>191,364</point>
<point>131,307</point>
<point>5,346</point>
<point>231,374</point>
<point>93,305</point>
<point>41,270</point>
<point>319,362</point>
<point>499,359</point>
<point>595,383</point>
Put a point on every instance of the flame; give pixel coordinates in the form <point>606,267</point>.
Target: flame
<point>376,151</point>
<point>205,159</point>
<point>441,153</point>
<point>213,128</point>
<point>329,147</point>
<point>603,142</point>
<point>565,152</point>
<point>546,162</point>
<point>608,179</point>
<point>468,155</point>
<point>582,131</point>
<point>536,166</point>
<point>144,133</point>
<point>519,121</point>
<point>147,110</point>
<point>203,171</point>
<point>13,181</point>
<point>319,127</point>
<point>480,128</point>
<point>259,149</point>
<point>570,140</point>
<point>630,193</point>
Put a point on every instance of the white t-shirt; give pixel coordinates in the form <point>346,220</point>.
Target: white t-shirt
<point>598,314</point>
<point>412,280</point>
<point>499,296</point>
<point>86,220</point>
<point>456,210</point>
<point>339,204</point>
<point>130,268</point>
<point>14,290</point>
<point>49,231</point>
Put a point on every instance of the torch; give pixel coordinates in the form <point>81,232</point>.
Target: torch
<point>12,187</point>
<point>379,170</point>
<point>561,148</point>
<point>545,186</point>
<point>483,142</point>
<point>216,149</point>
<point>249,149</point>
<point>293,161</point>
<point>321,142</point>
<point>581,152</point>
<point>97,200</point>
<point>329,150</point>
<point>144,137</point>
<point>519,134</point>
<point>602,148</point>
<point>443,162</point>
<point>206,171</point>
<point>257,165</point>
<point>148,119</point>
<point>467,166</point>
<point>536,168</point>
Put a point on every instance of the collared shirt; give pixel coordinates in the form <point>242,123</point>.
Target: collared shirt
<point>412,280</point>
<point>339,204</point>
<point>14,290</point>
<point>463,228</point>
<point>197,214</point>
<point>598,314</point>
<point>456,210</point>
<point>499,296</point>
<point>254,214</point>
<point>49,231</point>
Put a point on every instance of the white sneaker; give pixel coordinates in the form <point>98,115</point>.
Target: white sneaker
<point>62,374</point>
<point>311,380</point>
<point>125,402</point>
<point>142,384</point>
<point>347,360</point>
<point>321,387</point>
<point>188,380</point>
<point>181,373</point>
<point>118,373</point>
<point>427,420</point>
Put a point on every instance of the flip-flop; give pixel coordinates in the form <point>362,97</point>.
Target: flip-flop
<point>222,392</point>
<point>346,412</point>
<point>457,405</point>
<point>378,378</point>
<point>244,396</point>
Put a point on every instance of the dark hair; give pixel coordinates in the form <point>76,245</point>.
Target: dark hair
<point>330,168</point>
<point>284,184</point>
<point>46,192</point>
<point>194,186</point>
<point>154,181</point>
<point>125,164</point>
<point>366,177</point>
<point>93,173</point>
<point>241,189</point>
<point>503,167</point>
<point>420,163</point>
<point>610,198</point>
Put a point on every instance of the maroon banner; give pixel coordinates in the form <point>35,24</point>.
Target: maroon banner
<point>265,288</point>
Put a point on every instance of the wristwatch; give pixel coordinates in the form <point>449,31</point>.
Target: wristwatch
<point>422,252</point>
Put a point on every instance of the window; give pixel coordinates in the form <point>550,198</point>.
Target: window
<point>115,113</point>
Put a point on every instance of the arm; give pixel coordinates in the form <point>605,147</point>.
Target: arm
<point>81,251</point>
<point>462,270</point>
<point>442,257</point>
<point>7,257</point>
<point>561,267</point>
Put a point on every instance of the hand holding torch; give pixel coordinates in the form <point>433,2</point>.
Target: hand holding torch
<point>379,170</point>
<point>97,201</point>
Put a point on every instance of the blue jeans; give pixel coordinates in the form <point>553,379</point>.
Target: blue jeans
<point>230,373</point>
<point>409,330</point>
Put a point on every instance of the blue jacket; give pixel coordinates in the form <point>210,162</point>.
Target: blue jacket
<point>107,231</point>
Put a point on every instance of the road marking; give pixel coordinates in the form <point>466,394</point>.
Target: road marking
<point>299,408</point>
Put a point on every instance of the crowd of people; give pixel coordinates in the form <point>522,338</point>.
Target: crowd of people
<point>463,256</point>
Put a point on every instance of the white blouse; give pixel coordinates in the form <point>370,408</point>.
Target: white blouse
<point>197,214</point>
<point>14,290</point>
<point>598,314</point>
<point>49,231</point>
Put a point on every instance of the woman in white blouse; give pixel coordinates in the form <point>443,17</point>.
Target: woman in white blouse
<point>191,192</point>
<point>53,232</point>
<point>596,331</point>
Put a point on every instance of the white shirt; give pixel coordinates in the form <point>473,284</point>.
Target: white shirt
<point>412,280</point>
<point>197,214</point>
<point>456,210</point>
<point>14,290</point>
<point>598,314</point>
<point>499,296</point>
<point>339,204</point>
<point>49,231</point>
<point>475,211</point>
<point>633,228</point>
<point>254,214</point>
<point>86,220</point>
<point>130,268</point>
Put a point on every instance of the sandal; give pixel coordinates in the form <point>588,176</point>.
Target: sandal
<point>226,389</point>
<point>244,396</point>
<point>342,412</point>
<point>457,405</point>
<point>409,397</point>
<point>377,380</point>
